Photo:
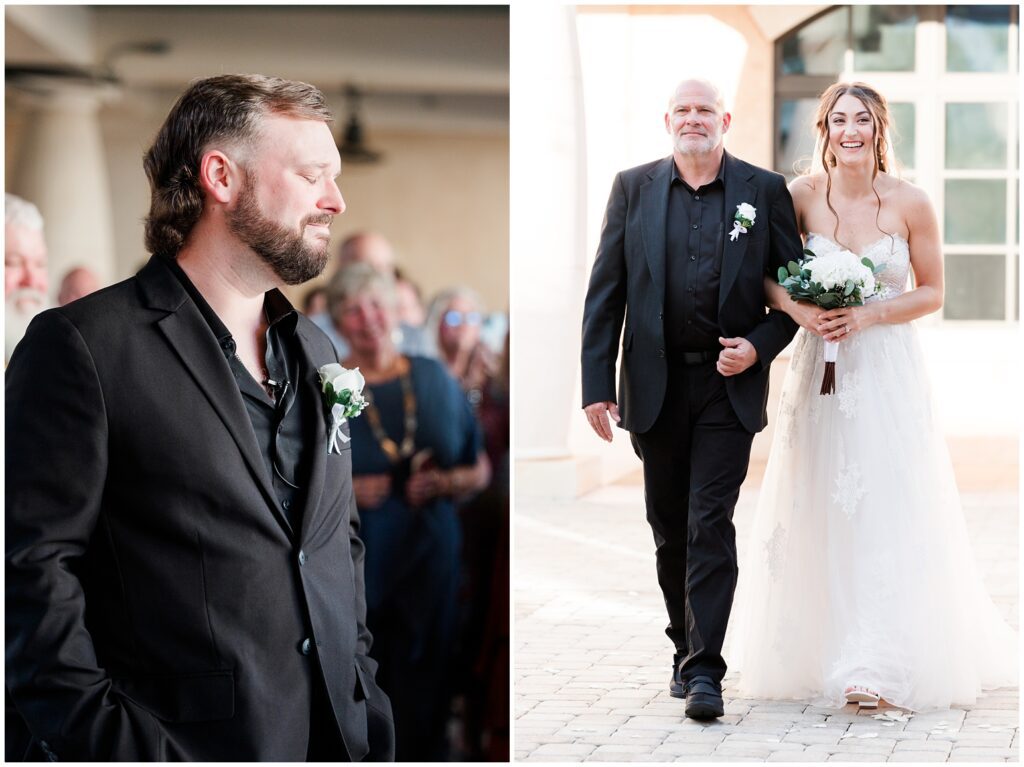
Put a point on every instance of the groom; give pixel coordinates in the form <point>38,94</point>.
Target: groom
<point>687,275</point>
<point>183,576</point>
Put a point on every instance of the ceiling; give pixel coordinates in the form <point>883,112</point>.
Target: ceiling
<point>449,61</point>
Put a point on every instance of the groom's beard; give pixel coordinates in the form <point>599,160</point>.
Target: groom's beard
<point>284,250</point>
<point>20,306</point>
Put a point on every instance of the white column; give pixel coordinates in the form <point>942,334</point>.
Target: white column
<point>61,167</point>
<point>549,264</point>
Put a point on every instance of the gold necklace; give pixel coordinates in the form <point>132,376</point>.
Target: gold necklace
<point>392,450</point>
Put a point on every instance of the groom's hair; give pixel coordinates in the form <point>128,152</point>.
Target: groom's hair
<point>226,110</point>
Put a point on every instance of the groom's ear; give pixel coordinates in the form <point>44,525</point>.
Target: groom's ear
<point>668,123</point>
<point>726,121</point>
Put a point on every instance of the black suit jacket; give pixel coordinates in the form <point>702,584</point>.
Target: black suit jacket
<point>157,600</point>
<point>628,281</point>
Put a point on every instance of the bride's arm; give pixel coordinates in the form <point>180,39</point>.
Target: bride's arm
<point>803,313</point>
<point>926,261</point>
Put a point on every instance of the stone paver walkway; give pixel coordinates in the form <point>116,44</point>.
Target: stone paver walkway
<point>592,661</point>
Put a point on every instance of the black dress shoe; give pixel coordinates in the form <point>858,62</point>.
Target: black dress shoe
<point>677,687</point>
<point>704,698</point>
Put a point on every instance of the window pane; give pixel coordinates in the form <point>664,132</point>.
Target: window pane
<point>883,38</point>
<point>796,135</point>
<point>977,38</point>
<point>818,48</point>
<point>903,123</point>
<point>976,136</point>
<point>975,212</point>
<point>975,287</point>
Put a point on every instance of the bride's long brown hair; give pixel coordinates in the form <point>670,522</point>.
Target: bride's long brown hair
<point>876,105</point>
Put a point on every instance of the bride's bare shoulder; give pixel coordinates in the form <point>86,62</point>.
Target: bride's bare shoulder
<point>909,199</point>
<point>806,189</point>
<point>808,184</point>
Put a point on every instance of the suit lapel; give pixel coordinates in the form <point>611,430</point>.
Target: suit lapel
<point>311,380</point>
<point>188,334</point>
<point>653,212</point>
<point>738,189</point>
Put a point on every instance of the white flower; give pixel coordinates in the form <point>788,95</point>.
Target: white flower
<point>341,378</point>
<point>747,211</point>
<point>343,393</point>
<point>744,219</point>
<point>835,269</point>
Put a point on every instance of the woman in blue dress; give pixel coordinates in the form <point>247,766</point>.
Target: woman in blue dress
<point>416,451</point>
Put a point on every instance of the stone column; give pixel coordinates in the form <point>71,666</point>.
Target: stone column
<point>549,265</point>
<point>61,167</point>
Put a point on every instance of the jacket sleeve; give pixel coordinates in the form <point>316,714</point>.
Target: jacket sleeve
<point>776,330</point>
<point>56,464</point>
<point>605,304</point>
<point>364,640</point>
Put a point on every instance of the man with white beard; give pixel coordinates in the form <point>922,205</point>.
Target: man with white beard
<point>25,278</point>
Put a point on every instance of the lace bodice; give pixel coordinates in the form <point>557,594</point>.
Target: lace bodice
<point>892,254</point>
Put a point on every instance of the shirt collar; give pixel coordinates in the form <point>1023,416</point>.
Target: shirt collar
<point>281,315</point>
<point>720,176</point>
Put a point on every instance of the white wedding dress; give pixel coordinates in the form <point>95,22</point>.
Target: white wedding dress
<point>859,567</point>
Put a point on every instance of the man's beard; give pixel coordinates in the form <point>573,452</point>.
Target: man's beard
<point>286,252</point>
<point>20,306</point>
<point>686,146</point>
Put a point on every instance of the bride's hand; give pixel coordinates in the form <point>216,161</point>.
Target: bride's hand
<point>840,324</point>
<point>806,315</point>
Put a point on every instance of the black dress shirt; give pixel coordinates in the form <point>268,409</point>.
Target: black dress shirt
<point>695,228</point>
<point>284,423</point>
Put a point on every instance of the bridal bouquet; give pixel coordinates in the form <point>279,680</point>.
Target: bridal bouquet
<point>832,281</point>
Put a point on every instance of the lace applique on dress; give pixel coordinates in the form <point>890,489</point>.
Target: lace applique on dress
<point>850,487</point>
<point>773,550</point>
<point>851,385</point>
<point>788,423</point>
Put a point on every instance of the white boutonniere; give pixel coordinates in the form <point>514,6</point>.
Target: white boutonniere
<point>746,214</point>
<point>343,393</point>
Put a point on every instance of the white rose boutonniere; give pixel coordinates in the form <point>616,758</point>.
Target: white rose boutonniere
<point>746,214</point>
<point>343,393</point>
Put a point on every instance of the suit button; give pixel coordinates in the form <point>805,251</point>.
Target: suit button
<point>303,558</point>
<point>661,315</point>
<point>304,648</point>
<point>288,504</point>
<point>693,258</point>
<point>661,353</point>
<point>694,226</point>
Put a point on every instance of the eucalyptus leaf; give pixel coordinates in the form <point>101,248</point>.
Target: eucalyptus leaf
<point>783,274</point>
<point>793,267</point>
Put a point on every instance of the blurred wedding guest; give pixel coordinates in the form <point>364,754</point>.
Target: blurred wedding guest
<point>416,451</point>
<point>315,301</point>
<point>25,276</point>
<point>411,334</point>
<point>373,249</point>
<point>78,282</point>
<point>410,300</point>
<point>454,322</point>
<point>484,642</point>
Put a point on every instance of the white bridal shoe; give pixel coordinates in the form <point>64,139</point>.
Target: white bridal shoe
<point>862,696</point>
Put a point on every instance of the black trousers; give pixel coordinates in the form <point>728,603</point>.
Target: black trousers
<point>695,458</point>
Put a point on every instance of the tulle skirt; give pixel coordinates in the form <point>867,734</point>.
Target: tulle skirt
<point>859,568</point>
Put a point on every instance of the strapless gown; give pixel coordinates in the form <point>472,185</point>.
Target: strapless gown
<point>859,568</point>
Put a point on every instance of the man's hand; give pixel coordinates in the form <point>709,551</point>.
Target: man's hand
<point>597,414</point>
<point>738,355</point>
<point>371,489</point>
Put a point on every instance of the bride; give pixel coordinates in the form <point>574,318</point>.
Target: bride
<point>860,581</point>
